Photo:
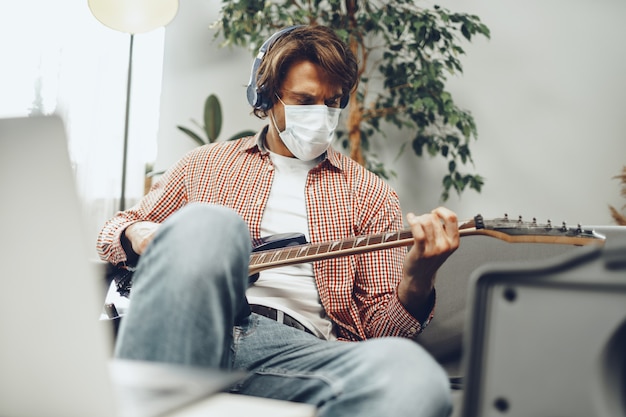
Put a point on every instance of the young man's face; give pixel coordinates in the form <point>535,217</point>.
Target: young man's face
<point>305,83</point>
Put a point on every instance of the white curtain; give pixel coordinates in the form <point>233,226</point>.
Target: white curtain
<point>57,58</point>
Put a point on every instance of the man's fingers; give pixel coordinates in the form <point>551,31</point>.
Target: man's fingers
<point>140,234</point>
<point>449,221</point>
<point>436,231</point>
<point>419,235</point>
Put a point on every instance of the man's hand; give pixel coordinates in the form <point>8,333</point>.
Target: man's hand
<point>436,237</point>
<point>140,234</point>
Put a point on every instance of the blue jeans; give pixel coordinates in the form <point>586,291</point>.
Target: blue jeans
<point>188,307</point>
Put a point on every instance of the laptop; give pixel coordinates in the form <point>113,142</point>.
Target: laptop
<point>55,354</point>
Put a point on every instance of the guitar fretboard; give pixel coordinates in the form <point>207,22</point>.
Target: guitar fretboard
<point>316,251</point>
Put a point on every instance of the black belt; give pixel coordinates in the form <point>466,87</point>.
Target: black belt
<point>272,313</point>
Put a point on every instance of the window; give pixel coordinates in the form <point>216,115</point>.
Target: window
<point>57,58</point>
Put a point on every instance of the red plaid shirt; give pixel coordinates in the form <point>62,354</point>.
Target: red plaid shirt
<point>358,292</point>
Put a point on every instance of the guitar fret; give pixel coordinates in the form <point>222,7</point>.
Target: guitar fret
<point>283,255</point>
<point>292,253</point>
<point>375,239</point>
<point>360,242</point>
<point>302,250</point>
<point>347,244</point>
<point>390,237</point>
<point>323,248</point>
<point>405,234</point>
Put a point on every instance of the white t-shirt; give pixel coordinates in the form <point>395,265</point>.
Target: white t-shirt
<point>292,288</point>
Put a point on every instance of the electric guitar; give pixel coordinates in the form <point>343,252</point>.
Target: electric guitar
<point>293,249</point>
<point>290,249</point>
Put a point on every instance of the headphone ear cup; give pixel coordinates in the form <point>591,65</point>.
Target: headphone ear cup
<point>264,102</point>
<point>344,102</point>
<point>252,95</point>
<point>251,91</point>
<point>256,96</point>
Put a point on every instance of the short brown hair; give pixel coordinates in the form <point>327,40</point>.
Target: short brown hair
<point>317,44</point>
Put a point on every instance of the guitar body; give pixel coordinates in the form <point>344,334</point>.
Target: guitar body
<point>281,240</point>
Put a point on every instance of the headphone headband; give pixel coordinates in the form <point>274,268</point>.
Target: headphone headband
<point>256,97</point>
<point>256,94</point>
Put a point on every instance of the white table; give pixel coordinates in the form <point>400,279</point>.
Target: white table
<point>146,389</point>
<point>232,405</point>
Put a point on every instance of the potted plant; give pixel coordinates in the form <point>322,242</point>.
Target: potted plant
<point>405,53</point>
<point>212,117</point>
<point>210,132</point>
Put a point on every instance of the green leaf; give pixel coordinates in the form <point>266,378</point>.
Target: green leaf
<point>477,182</point>
<point>400,151</point>
<point>242,134</point>
<point>212,117</point>
<point>193,135</point>
<point>433,148</point>
<point>418,144</point>
<point>466,33</point>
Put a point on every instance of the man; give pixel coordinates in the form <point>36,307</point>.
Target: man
<point>335,333</point>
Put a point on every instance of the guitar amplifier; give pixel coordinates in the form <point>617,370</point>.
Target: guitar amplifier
<point>549,339</point>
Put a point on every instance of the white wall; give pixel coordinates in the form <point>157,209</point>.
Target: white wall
<point>195,66</point>
<point>547,93</point>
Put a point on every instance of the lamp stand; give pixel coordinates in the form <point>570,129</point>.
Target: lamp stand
<point>126,122</point>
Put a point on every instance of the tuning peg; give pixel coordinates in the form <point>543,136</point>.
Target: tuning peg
<point>564,227</point>
<point>479,221</point>
<point>534,221</point>
<point>579,229</point>
<point>506,217</point>
<point>549,224</point>
<point>519,219</point>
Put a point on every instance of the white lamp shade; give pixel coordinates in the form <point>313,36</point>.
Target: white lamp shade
<point>134,16</point>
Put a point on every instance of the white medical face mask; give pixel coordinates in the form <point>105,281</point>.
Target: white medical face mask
<point>309,129</point>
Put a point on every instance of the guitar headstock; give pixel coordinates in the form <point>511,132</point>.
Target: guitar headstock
<point>519,230</point>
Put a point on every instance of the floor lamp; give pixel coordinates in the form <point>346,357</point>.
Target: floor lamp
<point>132,17</point>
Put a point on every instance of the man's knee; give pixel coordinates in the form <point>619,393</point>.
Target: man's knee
<point>198,243</point>
<point>199,232</point>
<point>208,221</point>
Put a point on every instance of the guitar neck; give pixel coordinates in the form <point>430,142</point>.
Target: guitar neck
<point>310,252</point>
<point>503,229</point>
